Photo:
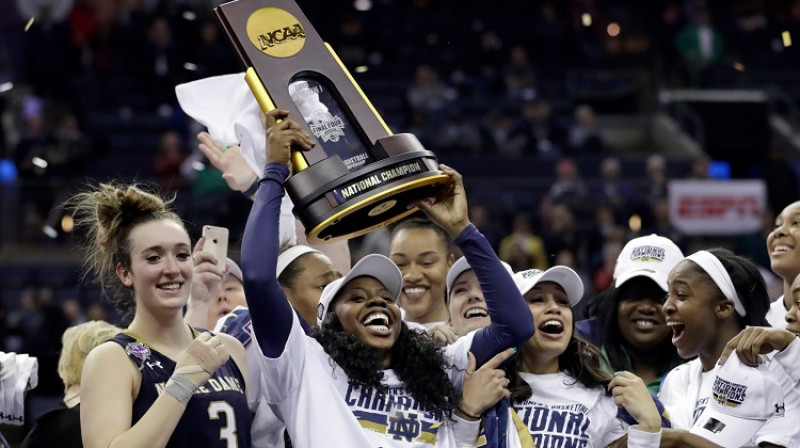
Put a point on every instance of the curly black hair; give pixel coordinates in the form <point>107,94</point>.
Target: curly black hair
<point>412,354</point>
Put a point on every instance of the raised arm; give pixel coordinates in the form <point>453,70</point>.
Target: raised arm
<point>269,308</point>
<point>512,323</point>
<point>206,284</point>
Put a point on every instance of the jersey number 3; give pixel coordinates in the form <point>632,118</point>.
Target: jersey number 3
<point>228,432</point>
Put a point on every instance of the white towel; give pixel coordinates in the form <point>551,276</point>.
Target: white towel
<point>226,106</point>
<point>18,374</point>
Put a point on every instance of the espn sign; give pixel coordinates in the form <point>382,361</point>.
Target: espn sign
<point>713,207</point>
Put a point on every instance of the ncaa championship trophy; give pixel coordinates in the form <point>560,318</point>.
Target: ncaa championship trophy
<point>359,176</point>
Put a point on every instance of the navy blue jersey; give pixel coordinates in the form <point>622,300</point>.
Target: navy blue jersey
<point>237,323</point>
<point>217,414</point>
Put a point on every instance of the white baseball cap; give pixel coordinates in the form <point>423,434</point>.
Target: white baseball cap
<point>743,398</point>
<point>234,269</point>
<point>649,256</point>
<point>377,266</point>
<point>561,275</point>
<point>459,267</point>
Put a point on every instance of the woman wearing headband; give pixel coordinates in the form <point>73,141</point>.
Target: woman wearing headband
<point>363,378</point>
<point>712,296</point>
<point>302,273</point>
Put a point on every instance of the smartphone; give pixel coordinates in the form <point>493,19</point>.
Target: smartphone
<point>216,243</point>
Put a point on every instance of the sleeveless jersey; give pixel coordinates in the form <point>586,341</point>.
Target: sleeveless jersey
<point>215,416</point>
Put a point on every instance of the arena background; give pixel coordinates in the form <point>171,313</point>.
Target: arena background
<point>568,120</point>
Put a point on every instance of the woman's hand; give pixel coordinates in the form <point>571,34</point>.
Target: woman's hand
<point>228,159</point>
<point>484,387</point>
<point>207,279</point>
<point>202,358</point>
<point>449,209</point>
<point>630,392</point>
<point>443,333</point>
<point>283,137</point>
<point>754,341</point>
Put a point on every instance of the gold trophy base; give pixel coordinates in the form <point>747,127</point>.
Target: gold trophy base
<point>336,204</point>
<point>376,210</point>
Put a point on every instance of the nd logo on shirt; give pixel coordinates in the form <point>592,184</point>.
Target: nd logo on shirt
<point>556,426</point>
<point>699,407</point>
<point>394,413</point>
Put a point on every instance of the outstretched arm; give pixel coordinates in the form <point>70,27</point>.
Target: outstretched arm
<point>269,308</point>
<point>512,323</point>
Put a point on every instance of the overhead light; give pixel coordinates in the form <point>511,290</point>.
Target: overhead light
<point>6,86</point>
<point>189,15</point>
<point>586,19</point>
<point>67,223</point>
<point>613,29</point>
<point>362,5</point>
<point>38,161</point>
<point>635,223</point>
<point>50,231</point>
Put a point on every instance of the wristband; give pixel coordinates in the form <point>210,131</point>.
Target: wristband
<point>253,188</point>
<point>180,387</point>
<point>474,417</point>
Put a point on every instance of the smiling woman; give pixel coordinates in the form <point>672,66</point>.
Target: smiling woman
<point>783,247</point>
<point>560,377</point>
<point>713,295</point>
<point>627,321</point>
<point>362,377</point>
<point>421,250</point>
<point>139,249</point>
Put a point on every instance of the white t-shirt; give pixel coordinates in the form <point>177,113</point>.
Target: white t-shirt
<point>321,409</point>
<point>563,412</point>
<point>686,390</point>
<point>789,359</point>
<point>423,327</point>
<point>776,316</point>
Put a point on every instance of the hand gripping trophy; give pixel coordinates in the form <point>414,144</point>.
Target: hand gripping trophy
<point>359,176</point>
